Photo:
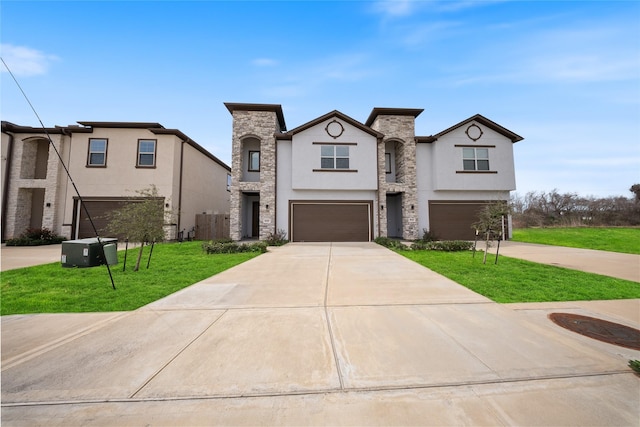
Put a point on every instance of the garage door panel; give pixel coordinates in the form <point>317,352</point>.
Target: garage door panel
<point>331,222</point>
<point>99,213</point>
<point>453,221</point>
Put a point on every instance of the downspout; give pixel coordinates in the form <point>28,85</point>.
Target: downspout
<point>68,133</point>
<point>378,193</point>
<point>5,187</point>
<point>180,187</point>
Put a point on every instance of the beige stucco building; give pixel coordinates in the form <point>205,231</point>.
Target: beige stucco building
<point>108,162</point>
<point>338,179</point>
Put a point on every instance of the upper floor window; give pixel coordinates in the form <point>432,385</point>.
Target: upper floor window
<point>228,182</point>
<point>97,152</point>
<point>475,159</point>
<point>254,161</point>
<point>334,157</point>
<point>146,153</point>
<point>387,162</point>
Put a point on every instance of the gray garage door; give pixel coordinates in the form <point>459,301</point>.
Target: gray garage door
<point>331,222</point>
<point>453,220</point>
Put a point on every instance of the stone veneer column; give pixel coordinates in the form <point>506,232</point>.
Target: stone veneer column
<point>261,125</point>
<point>22,183</point>
<point>401,129</point>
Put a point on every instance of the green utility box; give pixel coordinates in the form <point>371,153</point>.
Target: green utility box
<point>87,252</point>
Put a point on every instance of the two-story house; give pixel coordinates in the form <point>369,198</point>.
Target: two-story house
<point>109,162</point>
<point>337,179</point>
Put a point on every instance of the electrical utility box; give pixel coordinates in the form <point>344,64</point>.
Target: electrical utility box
<point>87,252</point>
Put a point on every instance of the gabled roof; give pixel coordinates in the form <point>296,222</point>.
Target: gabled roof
<point>377,111</point>
<point>514,137</point>
<point>334,113</point>
<point>276,108</point>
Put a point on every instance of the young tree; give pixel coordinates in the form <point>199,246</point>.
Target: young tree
<point>140,221</point>
<point>490,223</point>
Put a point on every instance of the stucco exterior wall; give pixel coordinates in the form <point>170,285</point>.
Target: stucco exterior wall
<point>204,187</point>
<point>447,162</point>
<point>306,158</point>
<point>286,191</point>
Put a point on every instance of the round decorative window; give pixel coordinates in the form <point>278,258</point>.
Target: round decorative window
<point>474,132</point>
<point>334,128</point>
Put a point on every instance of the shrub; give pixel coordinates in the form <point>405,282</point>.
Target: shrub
<point>443,245</point>
<point>428,236</point>
<point>390,243</point>
<point>635,365</point>
<point>225,247</point>
<point>278,238</point>
<point>36,237</point>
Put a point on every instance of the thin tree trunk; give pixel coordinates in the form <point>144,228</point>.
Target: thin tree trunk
<point>137,267</point>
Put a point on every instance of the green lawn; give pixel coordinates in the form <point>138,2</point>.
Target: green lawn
<point>514,280</point>
<point>626,240</point>
<point>53,289</point>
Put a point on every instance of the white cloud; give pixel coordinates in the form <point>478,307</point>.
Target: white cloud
<point>395,8</point>
<point>25,61</point>
<point>264,62</point>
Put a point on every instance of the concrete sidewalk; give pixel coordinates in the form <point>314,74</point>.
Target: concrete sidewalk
<point>319,334</point>
<point>613,264</point>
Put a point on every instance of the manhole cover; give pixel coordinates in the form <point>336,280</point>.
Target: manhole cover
<point>602,330</point>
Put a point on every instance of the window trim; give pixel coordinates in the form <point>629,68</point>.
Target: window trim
<point>475,159</point>
<point>249,163</point>
<point>335,157</point>
<point>155,153</point>
<point>89,152</point>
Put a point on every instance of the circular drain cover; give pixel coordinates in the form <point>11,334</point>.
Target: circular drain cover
<point>601,330</point>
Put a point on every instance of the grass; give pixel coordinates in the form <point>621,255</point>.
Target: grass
<point>513,280</point>
<point>51,288</point>
<point>625,240</point>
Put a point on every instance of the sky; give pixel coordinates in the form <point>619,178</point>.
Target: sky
<point>565,75</point>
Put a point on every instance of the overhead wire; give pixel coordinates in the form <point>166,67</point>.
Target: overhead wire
<point>46,132</point>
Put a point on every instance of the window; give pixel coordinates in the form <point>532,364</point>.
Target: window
<point>146,153</point>
<point>254,161</point>
<point>387,162</point>
<point>97,152</point>
<point>228,182</point>
<point>475,159</point>
<point>334,157</point>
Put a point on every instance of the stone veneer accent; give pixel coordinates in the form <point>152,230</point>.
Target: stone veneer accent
<point>401,130</point>
<point>22,184</point>
<point>261,125</point>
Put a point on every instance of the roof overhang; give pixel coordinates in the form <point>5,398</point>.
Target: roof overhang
<point>414,112</point>
<point>275,108</point>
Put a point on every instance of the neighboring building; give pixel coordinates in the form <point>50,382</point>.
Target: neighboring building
<point>336,179</point>
<point>108,162</point>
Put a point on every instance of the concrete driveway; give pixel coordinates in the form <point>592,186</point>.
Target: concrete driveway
<point>317,334</point>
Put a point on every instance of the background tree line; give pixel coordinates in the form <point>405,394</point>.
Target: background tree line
<point>546,209</point>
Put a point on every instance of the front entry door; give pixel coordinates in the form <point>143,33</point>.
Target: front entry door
<point>255,219</point>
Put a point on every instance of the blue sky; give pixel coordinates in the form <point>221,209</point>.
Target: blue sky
<point>564,75</point>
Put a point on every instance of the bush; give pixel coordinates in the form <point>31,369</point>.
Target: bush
<point>428,236</point>
<point>36,237</point>
<point>277,239</point>
<point>226,247</point>
<point>443,245</point>
<point>391,243</point>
